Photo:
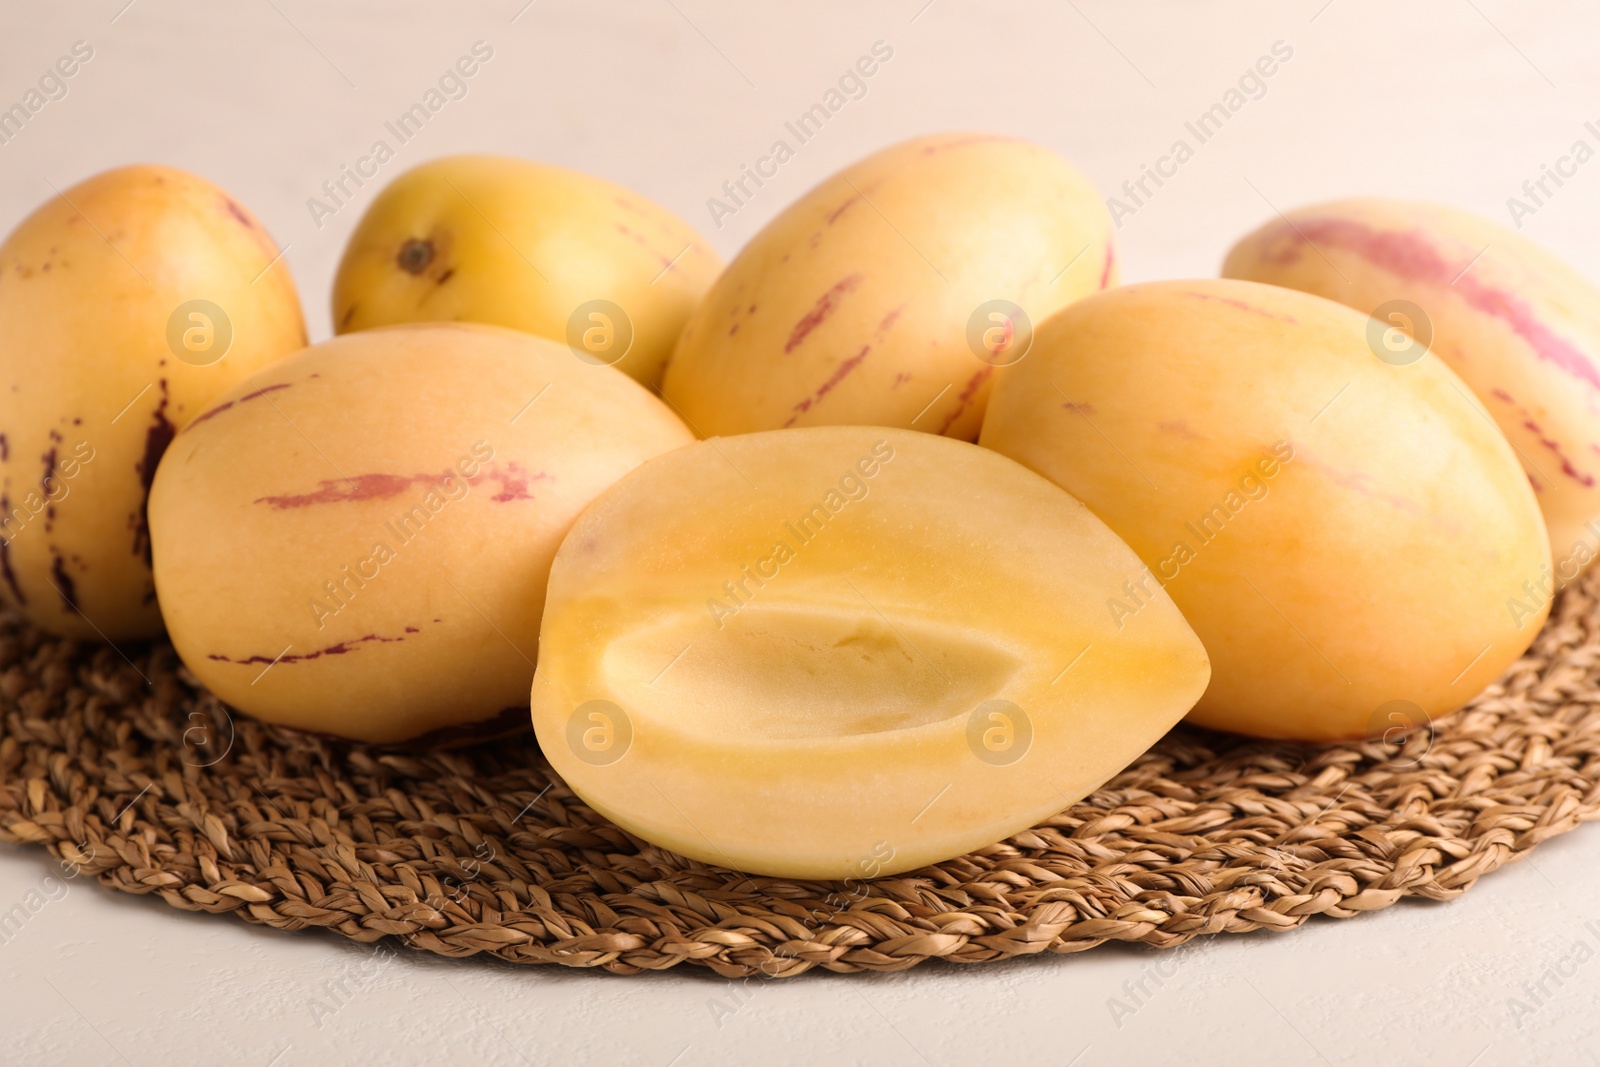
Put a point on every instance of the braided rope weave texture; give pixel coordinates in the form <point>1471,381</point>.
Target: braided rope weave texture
<point>126,770</point>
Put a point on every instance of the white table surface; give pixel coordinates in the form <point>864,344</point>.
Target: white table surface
<point>1457,100</point>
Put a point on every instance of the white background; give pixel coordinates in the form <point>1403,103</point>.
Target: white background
<point>1451,100</point>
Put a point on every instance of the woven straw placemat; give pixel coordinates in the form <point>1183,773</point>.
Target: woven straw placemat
<point>126,770</point>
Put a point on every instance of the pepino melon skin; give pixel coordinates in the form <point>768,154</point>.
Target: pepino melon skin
<point>1520,326</point>
<point>895,292</point>
<point>1344,532</point>
<point>127,302</point>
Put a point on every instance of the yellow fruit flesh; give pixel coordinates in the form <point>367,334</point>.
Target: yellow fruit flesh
<point>760,655</point>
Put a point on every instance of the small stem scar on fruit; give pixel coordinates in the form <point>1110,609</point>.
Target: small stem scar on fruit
<point>415,255</point>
